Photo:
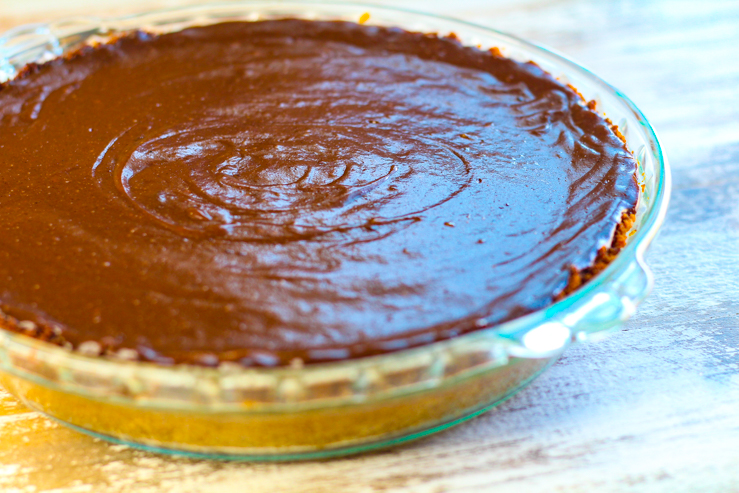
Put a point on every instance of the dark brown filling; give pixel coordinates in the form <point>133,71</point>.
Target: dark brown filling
<point>260,192</point>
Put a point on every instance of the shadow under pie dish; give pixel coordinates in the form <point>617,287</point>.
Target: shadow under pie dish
<point>269,235</point>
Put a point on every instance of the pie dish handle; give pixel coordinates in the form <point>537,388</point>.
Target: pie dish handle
<point>607,305</point>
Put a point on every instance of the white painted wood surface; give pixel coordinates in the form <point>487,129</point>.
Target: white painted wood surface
<point>653,408</point>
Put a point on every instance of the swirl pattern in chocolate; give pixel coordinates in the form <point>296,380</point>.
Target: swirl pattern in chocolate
<point>260,192</point>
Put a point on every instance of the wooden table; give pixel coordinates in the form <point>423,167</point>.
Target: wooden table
<point>653,408</point>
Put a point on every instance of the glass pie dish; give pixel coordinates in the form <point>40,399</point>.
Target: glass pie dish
<point>329,409</point>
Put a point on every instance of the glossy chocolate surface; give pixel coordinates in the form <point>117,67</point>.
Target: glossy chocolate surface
<point>259,192</point>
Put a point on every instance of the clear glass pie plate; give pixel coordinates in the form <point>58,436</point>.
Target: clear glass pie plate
<point>345,407</point>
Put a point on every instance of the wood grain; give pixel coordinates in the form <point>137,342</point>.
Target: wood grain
<point>653,408</point>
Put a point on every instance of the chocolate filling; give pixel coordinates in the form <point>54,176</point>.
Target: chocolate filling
<point>260,192</point>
